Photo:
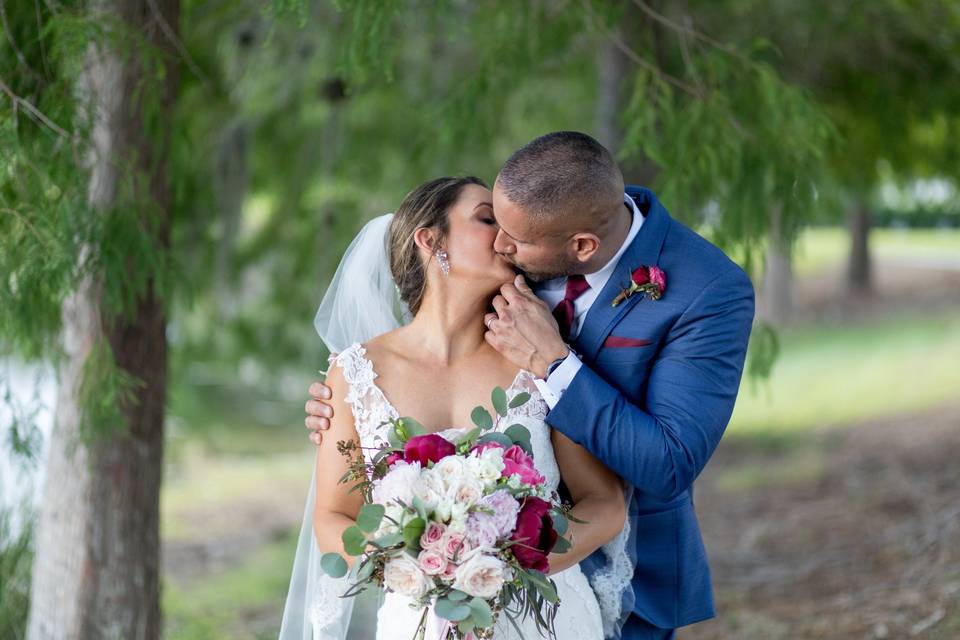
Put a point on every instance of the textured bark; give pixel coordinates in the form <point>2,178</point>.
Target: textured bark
<point>859,267</point>
<point>776,301</point>
<point>96,569</point>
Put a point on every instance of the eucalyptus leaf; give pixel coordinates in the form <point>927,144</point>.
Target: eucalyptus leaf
<point>393,437</point>
<point>388,540</point>
<point>482,614</point>
<point>354,540</point>
<point>412,532</point>
<point>519,400</point>
<point>562,545</point>
<point>499,398</point>
<point>333,565</point>
<point>496,436</point>
<point>456,595</point>
<point>560,523</point>
<point>412,428</point>
<point>370,517</point>
<point>518,433</point>
<point>450,610</point>
<point>481,417</point>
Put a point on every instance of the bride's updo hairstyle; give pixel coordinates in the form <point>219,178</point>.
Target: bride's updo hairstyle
<point>425,206</point>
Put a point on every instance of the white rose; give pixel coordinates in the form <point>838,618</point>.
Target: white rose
<point>401,574</point>
<point>481,576</point>
<point>450,470</point>
<point>398,484</point>
<point>468,492</point>
<point>428,488</point>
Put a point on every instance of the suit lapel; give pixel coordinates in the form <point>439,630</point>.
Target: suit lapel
<point>644,250</point>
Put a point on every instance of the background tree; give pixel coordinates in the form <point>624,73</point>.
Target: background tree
<point>886,74</point>
<point>195,176</point>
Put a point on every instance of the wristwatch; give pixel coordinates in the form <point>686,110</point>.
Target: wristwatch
<point>556,363</point>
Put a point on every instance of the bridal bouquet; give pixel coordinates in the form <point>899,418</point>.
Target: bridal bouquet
<point>462,525</point>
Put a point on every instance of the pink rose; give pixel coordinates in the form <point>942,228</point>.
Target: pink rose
<point>429,447</point>
<point>454,545</point>
<point>641,276</point>
<point>534,534</point>
<point>450,572</point>
<point>516,460</point>
<point>659,278</point>
<point>432,535</point>
<point>431,562</point>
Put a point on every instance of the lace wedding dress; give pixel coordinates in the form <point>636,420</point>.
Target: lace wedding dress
<point>578,616</point>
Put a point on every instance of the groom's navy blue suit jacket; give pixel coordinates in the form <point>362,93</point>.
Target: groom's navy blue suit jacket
<point>655,410</point>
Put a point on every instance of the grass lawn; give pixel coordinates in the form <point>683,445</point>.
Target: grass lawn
<point>821,248</point>
<point>833,375</point>
<point>221,607</point>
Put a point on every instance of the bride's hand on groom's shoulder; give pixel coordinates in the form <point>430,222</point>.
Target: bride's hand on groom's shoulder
<point>319,412</point>
<point>523,329</point>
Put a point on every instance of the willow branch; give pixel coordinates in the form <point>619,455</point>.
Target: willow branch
<point>177,42</point>
<point>688,30</point>
<point>16,214</point>
<point>641,62</point>
<point>36,113</point>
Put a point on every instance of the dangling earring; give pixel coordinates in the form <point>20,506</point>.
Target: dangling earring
<point>444,260</point>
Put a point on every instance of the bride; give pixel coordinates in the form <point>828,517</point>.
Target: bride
<point>438,248</point>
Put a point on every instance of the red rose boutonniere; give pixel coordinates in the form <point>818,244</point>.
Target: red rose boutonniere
<point>650,280</point>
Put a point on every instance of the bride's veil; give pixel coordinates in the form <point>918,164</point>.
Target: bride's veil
<point>361,302</point>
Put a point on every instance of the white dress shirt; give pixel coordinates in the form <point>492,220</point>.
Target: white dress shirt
<point>553,291</point>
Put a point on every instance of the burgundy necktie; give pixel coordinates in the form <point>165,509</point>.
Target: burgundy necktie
<point>563,312</point>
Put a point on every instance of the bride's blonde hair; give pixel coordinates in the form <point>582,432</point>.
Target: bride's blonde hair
<point>426,206</point>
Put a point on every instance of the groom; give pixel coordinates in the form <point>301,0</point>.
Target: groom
<point>644,376</point>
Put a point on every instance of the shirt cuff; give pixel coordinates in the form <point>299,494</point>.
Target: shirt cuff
<point>557,382</point>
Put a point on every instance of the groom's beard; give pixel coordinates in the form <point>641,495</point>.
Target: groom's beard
<point>557,271</point>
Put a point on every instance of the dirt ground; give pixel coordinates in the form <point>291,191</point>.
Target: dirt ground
<point>851,534</point>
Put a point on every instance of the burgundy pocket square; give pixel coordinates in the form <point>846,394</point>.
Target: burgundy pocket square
<point>621,341</point>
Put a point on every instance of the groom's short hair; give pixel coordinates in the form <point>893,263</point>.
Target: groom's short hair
<point>561,174</point>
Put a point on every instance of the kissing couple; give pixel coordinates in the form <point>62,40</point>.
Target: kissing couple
<point>625,328</point>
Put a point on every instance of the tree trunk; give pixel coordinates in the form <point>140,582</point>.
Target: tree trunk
<point>613,66</point>
<point>96,568</point>
<point>776,301</point>
<point>859,267</point>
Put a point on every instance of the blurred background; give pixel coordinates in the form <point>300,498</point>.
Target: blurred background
<point>178,180</point>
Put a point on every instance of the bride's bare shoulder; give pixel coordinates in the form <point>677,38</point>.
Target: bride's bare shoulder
<point>387,348</point>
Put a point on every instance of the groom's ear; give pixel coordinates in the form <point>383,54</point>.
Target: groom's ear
<point>585,246</point>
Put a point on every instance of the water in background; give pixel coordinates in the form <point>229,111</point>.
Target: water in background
<point>27,396</point>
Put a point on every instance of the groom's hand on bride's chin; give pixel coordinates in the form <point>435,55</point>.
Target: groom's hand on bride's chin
<point>523,329</point>
<point>318,411</point>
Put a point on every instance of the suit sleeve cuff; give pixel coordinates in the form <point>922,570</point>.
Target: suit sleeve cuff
<point>556,384</point>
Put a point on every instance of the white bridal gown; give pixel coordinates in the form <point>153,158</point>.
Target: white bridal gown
<point>578,616</point>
